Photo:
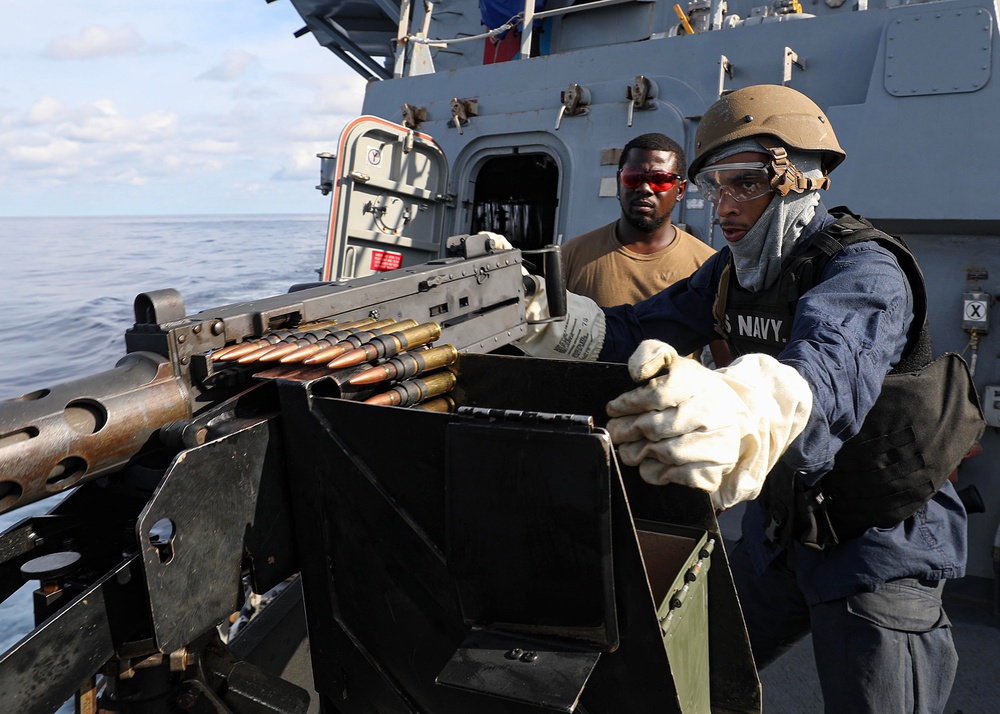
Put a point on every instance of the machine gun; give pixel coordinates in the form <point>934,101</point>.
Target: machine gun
<point>481,558</point>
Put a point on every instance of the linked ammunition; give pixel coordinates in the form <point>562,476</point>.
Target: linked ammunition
<point>292,342</point>
<point>257,354</point>
<point>279,351</point>
<point>408,364</point>
<point>388,345</point>
<point>307,340</point>
<point>356,340</point>
<point>414,391</point>
<point>307,350</point>
<point>233,352</point>
<point>236,351</point>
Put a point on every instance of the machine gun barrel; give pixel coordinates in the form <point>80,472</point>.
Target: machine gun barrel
<point>57,438</point>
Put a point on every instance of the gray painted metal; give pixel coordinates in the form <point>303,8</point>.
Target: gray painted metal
<point>391,184</point>
<point>907,86</point>
<point>208,519</point>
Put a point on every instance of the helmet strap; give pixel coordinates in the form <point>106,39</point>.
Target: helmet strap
<point>787,178</point>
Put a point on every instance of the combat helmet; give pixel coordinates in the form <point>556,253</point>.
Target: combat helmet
<point>779,118</point>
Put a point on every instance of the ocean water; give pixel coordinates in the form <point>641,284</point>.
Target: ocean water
<point>67,287</point>
<point>67,284</point>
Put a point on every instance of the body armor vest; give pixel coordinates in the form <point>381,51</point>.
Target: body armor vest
<point>925,420</point>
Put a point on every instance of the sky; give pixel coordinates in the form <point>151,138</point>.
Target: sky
<point>160,107</point>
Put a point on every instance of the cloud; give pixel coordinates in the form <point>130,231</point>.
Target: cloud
<point>95,41</point>
<point>335,94</point>
<point>301,162</point>
<point>46,110</point>
<point>123,123</point>
<point>214,146</point>
<point>253,92</point>
<point>318,128</point>
<point>54,152</point>
<point>166,48</point>
<point>91,142</point>
<point>100,121</point>
<point>232,67</point>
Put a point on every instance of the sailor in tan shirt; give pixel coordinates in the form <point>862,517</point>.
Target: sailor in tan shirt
<point>599,266</point>
<point>642,252</point>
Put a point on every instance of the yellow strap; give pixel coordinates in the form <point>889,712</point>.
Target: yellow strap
<point>685,23</point>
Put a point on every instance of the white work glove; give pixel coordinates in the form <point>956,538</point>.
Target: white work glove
<point>499,242</point>
<point>580,336</point>
<point>721,431</point>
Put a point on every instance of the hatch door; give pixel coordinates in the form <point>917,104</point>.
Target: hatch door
<point>389,200</point>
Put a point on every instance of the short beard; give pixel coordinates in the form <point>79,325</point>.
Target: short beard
<point>644,224</point>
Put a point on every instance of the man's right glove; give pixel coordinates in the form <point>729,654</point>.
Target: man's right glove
<point>580,336</point>
<point>721,431</point>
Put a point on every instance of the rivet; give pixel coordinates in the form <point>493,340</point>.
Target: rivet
<point>748,118</point>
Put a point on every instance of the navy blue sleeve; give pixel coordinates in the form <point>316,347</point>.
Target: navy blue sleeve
<point>681,315</point>
<point>848,333</point>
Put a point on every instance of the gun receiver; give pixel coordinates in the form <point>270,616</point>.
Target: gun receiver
<point>55,439</point>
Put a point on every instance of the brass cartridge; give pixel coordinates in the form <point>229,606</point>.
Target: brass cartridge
<point>408,364</point>
<point>388,345</point>
<point>356,340</point>
<point>416,390</point>
<point>438,404</point>
<point>308,349</point>
<point>233,352</point>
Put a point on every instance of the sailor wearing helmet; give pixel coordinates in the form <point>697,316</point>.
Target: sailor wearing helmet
<point>834,420</point>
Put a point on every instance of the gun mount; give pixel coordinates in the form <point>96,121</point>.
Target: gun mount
<point>54,439</point>
<point>489,557</point>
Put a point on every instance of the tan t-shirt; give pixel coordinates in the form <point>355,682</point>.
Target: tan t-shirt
<point>599,267</point>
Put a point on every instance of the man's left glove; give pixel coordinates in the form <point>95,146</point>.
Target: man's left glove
<point>580,336</point>
<point>721,431</point>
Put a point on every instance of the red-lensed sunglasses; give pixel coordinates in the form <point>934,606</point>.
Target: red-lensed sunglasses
<point>658,181</point>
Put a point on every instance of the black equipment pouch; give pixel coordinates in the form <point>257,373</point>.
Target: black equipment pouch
<point>794,511</point>
<point>911,440</point>
<point>925,421</point>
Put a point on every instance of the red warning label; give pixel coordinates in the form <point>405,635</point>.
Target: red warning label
<point>383,260</point>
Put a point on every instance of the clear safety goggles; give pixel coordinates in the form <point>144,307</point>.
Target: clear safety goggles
<point>741,182</point>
